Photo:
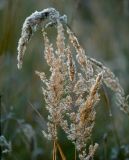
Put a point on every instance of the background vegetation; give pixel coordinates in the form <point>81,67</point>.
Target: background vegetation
<point>102,26</point>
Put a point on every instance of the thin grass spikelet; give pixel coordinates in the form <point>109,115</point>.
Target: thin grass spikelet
<point>81,57</point>
<point>92,150</point>
<point>60,39</point>
<point>70,63</point>
<point>48,51</point>
<point>91,100</point>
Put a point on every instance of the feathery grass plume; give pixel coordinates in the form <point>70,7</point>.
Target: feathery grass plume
<point>87,120</point>
<point>81,57</point>
<point>53,89</point>
<point>110,80</point>
<point>72,90</point>
<point>54,86</point>
<point>64,95</point>
<point>31,24</point>
<point>82,120</point>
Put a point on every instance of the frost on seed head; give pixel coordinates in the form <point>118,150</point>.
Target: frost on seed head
<point>31,24</point>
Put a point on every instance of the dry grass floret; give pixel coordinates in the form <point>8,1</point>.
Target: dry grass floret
<point>72,90</point>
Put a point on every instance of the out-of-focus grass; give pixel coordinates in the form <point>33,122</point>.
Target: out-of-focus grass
<point>103,29</point>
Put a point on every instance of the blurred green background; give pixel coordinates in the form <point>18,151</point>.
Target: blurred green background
<point>102,27</point>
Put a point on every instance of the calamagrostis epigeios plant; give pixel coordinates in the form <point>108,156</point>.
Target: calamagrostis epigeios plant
<point>72,90</point>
